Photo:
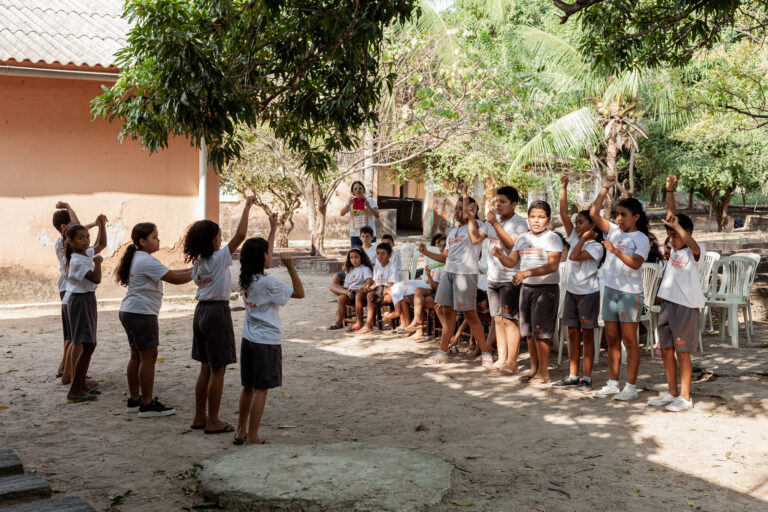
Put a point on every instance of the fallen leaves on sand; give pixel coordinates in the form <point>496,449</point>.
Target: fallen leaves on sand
<point>460,504</point>
<point>5,406</point>
<point>118,498</point>
<point>287,426</point>
<point>16,369</point>
<point>186,431</point>
<point>160,360</point>
<point>287,394</point>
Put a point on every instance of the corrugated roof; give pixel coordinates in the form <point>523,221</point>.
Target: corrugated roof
<point>80,32</point>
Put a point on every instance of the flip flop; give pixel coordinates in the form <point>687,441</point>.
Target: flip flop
<point>197,427</point>
<point>364,330</point>
<point>238,442</point>
<point>493,369</point>
<point>227,428</point>
<point>525,379</point>
<point>333,327</point>
<point>507,371</point>
<point>353,328</point>
<point>59,375</point>
<point>81,399</point>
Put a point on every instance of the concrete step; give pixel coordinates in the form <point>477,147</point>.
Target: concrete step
<point>22,488</point>
<point>58,504</point>
<point>10,464</point>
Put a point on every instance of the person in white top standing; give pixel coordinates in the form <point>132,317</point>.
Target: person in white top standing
<point>63,217</point>
<point>502,227</point>
<point>582,296</point>
<point>261,355</point>
<point>681,299</point>
<point>143,274</point>
<point>538,253</point>
<point>363,211</point>
<point>457,290</point>
<point>213,337</point>
<point>626,245</point>
<point>83,276</point>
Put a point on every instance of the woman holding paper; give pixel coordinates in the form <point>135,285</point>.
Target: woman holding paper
<point>363,211</point>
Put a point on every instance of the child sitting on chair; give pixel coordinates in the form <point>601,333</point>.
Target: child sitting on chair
<point>380,289</point>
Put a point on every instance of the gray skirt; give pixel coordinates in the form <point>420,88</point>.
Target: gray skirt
<point>81,313</point>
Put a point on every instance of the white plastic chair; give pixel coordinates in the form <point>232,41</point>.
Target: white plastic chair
<point>730,292</point>
<point>429,262</point>
<point>409,258</point>
<point>484,252</point>
<point>652,273</point>
<point>756,258</point>
<point>705,274</point>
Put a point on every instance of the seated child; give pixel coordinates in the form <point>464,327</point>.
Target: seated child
<point>366,236</point>
<point>360,272</point>
<point>380,289</point>
<point>396,260</point>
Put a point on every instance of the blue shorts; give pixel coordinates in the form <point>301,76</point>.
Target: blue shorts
<point>621,306</point>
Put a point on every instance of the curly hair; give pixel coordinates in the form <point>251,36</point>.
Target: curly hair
<point>252,258</point>
<point>199,240</point>
<point>364,259</point>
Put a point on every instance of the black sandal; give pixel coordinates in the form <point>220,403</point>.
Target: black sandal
<point>237,441</point>
<point>333,327</point>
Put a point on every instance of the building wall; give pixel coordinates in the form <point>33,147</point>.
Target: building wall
<point>52,150</point>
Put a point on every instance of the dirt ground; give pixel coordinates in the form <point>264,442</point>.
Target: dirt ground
<point>515,447</point>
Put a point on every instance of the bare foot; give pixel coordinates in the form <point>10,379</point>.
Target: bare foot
<point>66,379</point>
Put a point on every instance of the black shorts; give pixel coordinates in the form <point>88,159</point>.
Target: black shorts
<point>213,337</point>
<point>504,299</point>
<point>81,311</point>
<point>581,310</point>
<point>143,330</point>
<point>261,365</point>
<point>538,310</point>
<point>65,319</point>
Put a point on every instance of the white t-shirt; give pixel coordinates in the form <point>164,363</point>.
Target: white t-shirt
<point>262,300</point>
<point>212,277</point>
<point>79,265</point>
<point>61,255</point>
<point>515,226</point>
<point>581,276</point>
<point>371,253</point>
<point>145,289</point>
<point>463,256</point>
<point>403,288</point>
<point>356,277</point>
<point>360,218</point>
<point>533,254</point>
<point>395,260</point>
<point>681,283</point>
<point>382,276</point>
<point>618,275</point>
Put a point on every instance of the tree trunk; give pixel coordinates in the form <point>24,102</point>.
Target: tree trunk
<point>654,195</point>
<point>690,197</point>
<point>720,206</point>
<point>632,173</point>
<point>317,219</point>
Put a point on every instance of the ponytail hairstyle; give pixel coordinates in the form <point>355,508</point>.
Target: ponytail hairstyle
<point>364,259</point>
<point>69,234</point>
<point>139,232</point>
<point>252,258</point>
<point>636,207</point>
<point>600,237</point>
<point>198,243</point>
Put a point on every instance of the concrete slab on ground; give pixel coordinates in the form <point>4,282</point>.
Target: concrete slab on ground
<point>339,476</point>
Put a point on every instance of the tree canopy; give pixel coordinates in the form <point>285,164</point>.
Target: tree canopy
<point>309,69</point>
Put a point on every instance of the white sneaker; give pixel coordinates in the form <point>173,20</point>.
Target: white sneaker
<point>679,405</point>
<point>487,359</point>
<point>606,391</point>
<point>661,401</point>
<point>437,358</point>
<point>627,394</point>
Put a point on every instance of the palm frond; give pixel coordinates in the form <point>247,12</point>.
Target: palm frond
<point>564,138</point>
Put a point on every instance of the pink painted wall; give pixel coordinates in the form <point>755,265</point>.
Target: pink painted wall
<point>51,150</point>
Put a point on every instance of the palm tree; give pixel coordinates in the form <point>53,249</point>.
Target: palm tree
<point>605,114</point>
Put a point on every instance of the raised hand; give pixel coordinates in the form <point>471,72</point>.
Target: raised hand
<point>287,260</point>
<point>273,220</point>
<point>97,259</point>
<point>609,181</point>
<point>101,220</point>
<point>671,182</point>
<point>564,181</point>
<point>250,201</point>
<point>672,223</point>
<point>589,235</point>
<point>463,188</point>
<point>62,205</point>
<point>490,216</point>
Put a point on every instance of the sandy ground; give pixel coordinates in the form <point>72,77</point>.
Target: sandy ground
<point>515,447</point>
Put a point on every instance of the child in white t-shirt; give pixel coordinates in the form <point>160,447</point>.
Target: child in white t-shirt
<point>458,287</point>
<point>83,276</point>
<point>261,357</point>
<point>213,336</point>
<point>582,296</point>
<point>380,288</point>
<point>144,275</point>
<point>359,274</point>
<point>626,245</point>
<point>538,253</point>
<point>681,299</point>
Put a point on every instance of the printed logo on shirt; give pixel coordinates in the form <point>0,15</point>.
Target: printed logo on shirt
<point>250,304</point>
<point>624,244</point>
<point>678,260</point>
<point>456,239</point>
<point>531,251</point>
